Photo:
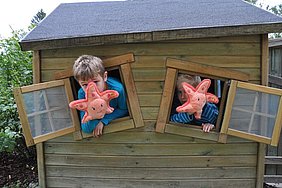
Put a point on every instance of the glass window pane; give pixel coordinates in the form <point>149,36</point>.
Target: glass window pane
<point>55,96</point>
<point>39,125</point>
<point>47,110</point>
<point>34,102</point>
<point>254,112</point>
<point>61,119</point>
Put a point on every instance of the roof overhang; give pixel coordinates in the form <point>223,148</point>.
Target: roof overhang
<point>177,34</point>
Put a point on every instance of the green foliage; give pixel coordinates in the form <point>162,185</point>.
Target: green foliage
<point>7,140</point>
<point>37,18</point>
<point>278,11</point>
<point>252,1</point>
<point>15,71</point>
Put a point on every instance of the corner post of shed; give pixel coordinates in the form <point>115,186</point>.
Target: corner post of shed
<point>36,64</point>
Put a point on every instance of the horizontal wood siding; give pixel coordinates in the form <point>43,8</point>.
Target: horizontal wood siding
<point>141,157</point>
<point>149,159</point>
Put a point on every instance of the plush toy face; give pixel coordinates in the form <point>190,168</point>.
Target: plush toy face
<point>96,103</point>
<point>97,108</point>
<point>197,98</point>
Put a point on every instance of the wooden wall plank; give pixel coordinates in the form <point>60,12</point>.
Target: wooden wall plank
<point>151,173</point>
<point>150,113</point>
<point>121,183</point>
<point>150,161</point>
<point>141,136</point>
<point>152,87</point>
<point>155,75</point>
<point>205,49</point>
<point>149,100</point>
<point>149,149</point>
<point>145,61</point>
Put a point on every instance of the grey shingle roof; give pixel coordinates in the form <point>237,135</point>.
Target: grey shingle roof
<point>138,16</point>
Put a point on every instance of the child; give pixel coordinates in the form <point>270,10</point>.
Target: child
<point>210,111</point>
<point>90,68</point>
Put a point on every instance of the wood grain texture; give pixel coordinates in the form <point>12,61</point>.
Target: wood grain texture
<point>141,157</point>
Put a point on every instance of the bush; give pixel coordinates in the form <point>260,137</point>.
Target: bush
<point>15,71</point>
<point>8,140</point>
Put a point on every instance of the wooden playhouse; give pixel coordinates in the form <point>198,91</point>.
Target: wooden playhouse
<point>147,44</point>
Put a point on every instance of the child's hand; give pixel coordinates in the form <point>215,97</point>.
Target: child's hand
<point>98,131</point>
<point>207,127</point>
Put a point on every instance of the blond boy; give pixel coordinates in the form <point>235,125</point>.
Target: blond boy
<point>90,68</point>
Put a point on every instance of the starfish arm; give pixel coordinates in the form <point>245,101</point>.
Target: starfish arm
<point>109,110</point>
<point>198,114</point>
<point>109,95</point>
<point>189,90</point>
<point>203,86</point>
<point>119,104</point>
<point>185,108</point>
<point>86,118</point>
<point>79,104</point>
<point>92,92</point>
<point>212,98</point>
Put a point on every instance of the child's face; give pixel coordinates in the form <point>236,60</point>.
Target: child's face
<point>98,80</point>
<point>182,96</point>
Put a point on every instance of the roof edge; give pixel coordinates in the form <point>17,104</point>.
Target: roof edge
<point>152,36</point>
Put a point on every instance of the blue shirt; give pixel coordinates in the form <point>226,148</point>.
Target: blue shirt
<point>119,105</point>
<point>209,115</point>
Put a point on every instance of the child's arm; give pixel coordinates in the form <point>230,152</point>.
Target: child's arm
<point>120,107</point>
<point>119,111</point>
<point>209,113</point>
<point>209,116</point>
<point>181,118</point>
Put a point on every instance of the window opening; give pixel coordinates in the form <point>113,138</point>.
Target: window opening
<point>44,108</point>
<point>215,88</point>
<point>220,79</point>
<point>119,68</point>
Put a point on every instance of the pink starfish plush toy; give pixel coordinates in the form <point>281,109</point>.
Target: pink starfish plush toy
<point>96,103</point>
<point>197,98</point>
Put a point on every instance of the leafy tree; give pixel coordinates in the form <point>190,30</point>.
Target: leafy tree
<point>278,11</point>
<point>15,71</point>
<point>38,17</point>
<point>252,1</point>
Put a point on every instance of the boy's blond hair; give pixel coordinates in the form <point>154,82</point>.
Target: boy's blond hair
<point>87,67</point>
<point>190,79</point>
